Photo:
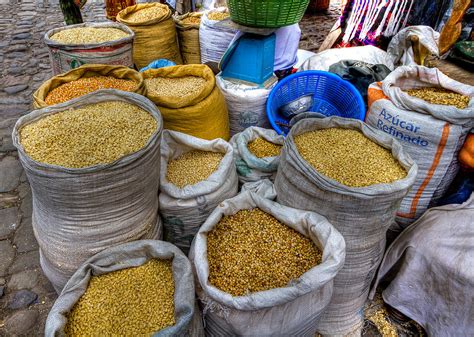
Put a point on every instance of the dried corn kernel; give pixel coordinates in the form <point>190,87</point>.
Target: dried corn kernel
<point>147,14</point>
<point>193,167</point>
<point>349,157</point>
<point>441,96</point>
<point>252,251</point>
<point>175,86</point>
<point>128,302</point>
<point>88,35</point>
<point>98,133</point>
<point>262,148</point>
<point>218,16</point>
<point>83,86</point>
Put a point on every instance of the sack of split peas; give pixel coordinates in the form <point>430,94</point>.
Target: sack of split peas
<point>155,33</point>
<point>196,175</point>
<point>86,79</point>
<point>356,176</point>
<point>189,100</point>
<point>430,115</point>
<point>141,288</point>
<point>264,269</point>
<point>187,26</point>
<point>257,153</point>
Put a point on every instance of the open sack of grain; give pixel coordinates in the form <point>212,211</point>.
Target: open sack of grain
<point>355,176</point>
<point>189,100</point>
<point>257,154</point>
<point>430,115</point>
<point>187,26</point>
<point>93,167</point>
<point>155,33</point>
<point>214,39</point>
<point>89,43</point>
<point>86,79</point>
<point>134,289</point>
<point>196,175</point>
<point>264,269</point>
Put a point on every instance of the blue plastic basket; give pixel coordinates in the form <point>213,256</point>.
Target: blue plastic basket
<point>332,97</point>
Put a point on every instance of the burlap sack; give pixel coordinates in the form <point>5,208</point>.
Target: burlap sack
<point>249,167</point>
<point>185,209</point>
<point>85,71</point>
<point>361,214</point>
<point>78,212</point>
<point>154,39</point>
<point>202,114</point>
<point>292,310</point>
<point>131,255</point>
<point>188,37</point>
<point>432,134</point>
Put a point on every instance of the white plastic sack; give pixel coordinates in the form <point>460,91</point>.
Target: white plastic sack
<point>400,49</point>
<point>249,167</point>
<point>78,212</point>
<point>130,255</point>
<point>431,134</point>
<point>289,311</point>
<point>246,104</point>
<point>184,210</point>
<point>213,39</point>
<point>369,54</point>
<point>361,214</point>
<point>433,264</point>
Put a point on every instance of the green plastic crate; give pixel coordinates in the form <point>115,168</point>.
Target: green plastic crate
<point>267,13</point>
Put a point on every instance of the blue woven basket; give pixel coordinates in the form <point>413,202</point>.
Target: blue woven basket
<point>332,97</point>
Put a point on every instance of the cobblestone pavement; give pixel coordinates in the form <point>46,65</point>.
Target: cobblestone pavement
<point>25,293</point>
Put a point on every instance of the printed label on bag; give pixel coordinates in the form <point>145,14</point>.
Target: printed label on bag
<point>400,128</point>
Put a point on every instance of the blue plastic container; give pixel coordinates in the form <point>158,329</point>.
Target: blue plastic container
<point>332,97</point>
<point>250,59</point>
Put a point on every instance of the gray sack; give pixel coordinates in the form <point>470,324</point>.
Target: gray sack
<point>185,209</point>
<point>132,254</point>
<point>78,212</point>
<point>362,215</point>
<point>249,167</point>
<point>293,310</point>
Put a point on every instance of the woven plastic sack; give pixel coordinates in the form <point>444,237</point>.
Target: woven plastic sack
<point>361,214</point>
<point>430,267</point>
<point>431,134</point>
<point>65,57</point>
<point>78,212</point>
<point>184,210</point>
<point>131,255</point>
<point>202,114</point>
<point>214,39</point>
<point>293,310</point>
<point>368,54</point>
<point>249,167</point>
<point>246,105</point>
<point>155,38</point>
<point>188,37</point>
<point>85,71</point>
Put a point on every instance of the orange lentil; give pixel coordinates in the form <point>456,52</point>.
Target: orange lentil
<point>192,20</point>
<point>86,85</point>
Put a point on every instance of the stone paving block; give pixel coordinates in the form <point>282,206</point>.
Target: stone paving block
<point>24,280</point>
<point>7,254</point>
<point>25,240</point>
<point>21,322</point>
<point>10,171</point>
<point>8,221</point>
<point>25,261</point>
